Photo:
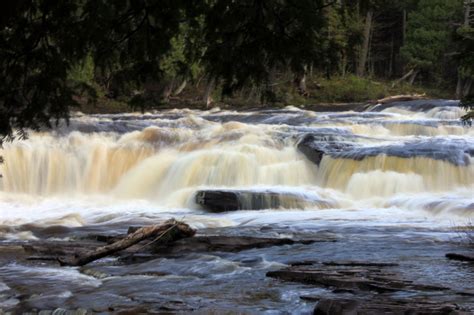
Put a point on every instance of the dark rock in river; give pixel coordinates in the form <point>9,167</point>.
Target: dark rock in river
<point>454,151</point>
<point>45,251</point>
<point>352,276</point>
<point>460,257</point>
<point>218,201</point>
<point>232,200</point>
<point>372,287</point>
<point>384,306</point>
<point>224,244</point>
<point>314,147</point>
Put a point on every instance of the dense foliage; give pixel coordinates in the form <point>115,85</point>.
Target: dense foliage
<point>55,55</point>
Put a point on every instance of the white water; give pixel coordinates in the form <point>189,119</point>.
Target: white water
<point>152,172</point>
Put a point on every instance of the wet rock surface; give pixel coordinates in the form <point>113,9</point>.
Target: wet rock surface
<point>191,274</point>
<point>461,257</point>
<point>455,151</point>
<point>233,200</point>
<point>385,306</point>
<point>45,250</point>
<point>314,146</point>
<point>374,288</point>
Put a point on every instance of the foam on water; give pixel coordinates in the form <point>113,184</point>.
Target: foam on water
<point>107,169</point>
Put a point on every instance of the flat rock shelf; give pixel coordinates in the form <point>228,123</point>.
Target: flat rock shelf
<point>368,288</point>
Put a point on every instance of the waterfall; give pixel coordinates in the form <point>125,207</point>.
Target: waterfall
<point>386,158</point>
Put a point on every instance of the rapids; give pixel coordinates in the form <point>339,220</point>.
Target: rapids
<point>161,159</point>
<point>399,168</point>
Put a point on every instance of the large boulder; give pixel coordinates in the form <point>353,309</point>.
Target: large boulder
<point>232,200</point>
<point>454,151</point>
<point>315,146</point>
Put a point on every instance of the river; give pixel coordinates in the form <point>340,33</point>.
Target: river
<point>390,183</point>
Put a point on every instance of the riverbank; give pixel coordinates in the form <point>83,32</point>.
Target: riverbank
<point>335,94</point>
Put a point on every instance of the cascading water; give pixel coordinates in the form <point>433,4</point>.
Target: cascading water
<point>390,183</point>
<point>163,159</point>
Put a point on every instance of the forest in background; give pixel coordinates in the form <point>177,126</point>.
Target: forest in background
<point>106,56</point>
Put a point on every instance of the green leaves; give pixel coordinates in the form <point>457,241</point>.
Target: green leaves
<point>56,53</point>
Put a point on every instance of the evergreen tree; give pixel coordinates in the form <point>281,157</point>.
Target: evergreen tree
<point>136,43</point>
<point>428,33</point>
<point>466,62</point>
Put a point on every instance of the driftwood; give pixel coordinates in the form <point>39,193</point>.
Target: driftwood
<point>408,74</point>
<point>399,98</point>
<point>169,231</point>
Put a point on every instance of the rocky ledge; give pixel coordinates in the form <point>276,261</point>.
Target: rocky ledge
<point>233,200</point>
<point>316,146</point>
<point>361,288</point>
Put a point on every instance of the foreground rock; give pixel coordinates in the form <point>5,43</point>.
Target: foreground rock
<point>374,287</point>
<point>350,277</point>
<point>232,200</point>
<point>385,306</point>
<point>226,244</point>
<point>52,250</point>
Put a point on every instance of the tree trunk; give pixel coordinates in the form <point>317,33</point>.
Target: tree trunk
<point>390,64</point>
<point>180,88</point>
<point>406,76</point>
<point>343,64</point>
<point>300,82</point>
<point>467,12</point>
<point>459,86</point>
<point>413,77</point>
<point>462,84</point>
<point>207,95</point>
<point>251,93</point>
<point>404,27</point>
<point>168,89</point>
<point>467,87</point>
<point>171,229</point>
<point>365,46</point>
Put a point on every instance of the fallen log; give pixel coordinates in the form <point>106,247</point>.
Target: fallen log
<point>169,231</point>
<point>399,98</point>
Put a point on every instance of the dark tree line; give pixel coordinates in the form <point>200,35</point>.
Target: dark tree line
<point>54,54</point>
